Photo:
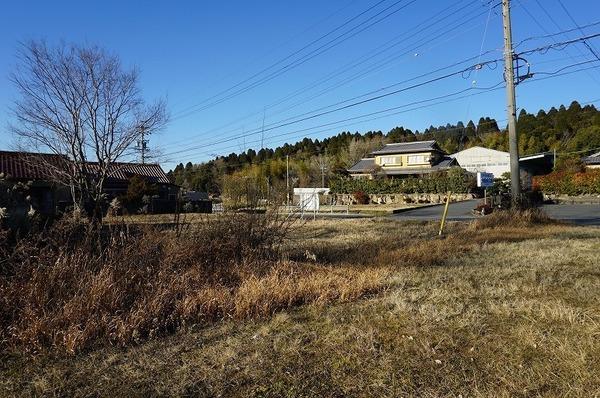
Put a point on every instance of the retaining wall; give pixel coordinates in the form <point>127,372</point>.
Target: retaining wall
<point>401,198</point>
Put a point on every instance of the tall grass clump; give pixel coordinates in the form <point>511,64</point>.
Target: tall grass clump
<point>73,287</point>
<point>514,218</point>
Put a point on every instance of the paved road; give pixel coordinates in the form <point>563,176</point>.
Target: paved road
<point>461,211</point>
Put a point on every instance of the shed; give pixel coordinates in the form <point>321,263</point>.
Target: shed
<point>309,197</point>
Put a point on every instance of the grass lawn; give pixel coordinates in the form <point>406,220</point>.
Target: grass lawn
<point>388,310</point>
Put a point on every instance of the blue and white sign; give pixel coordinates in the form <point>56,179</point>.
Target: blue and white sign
<point>485,180</point>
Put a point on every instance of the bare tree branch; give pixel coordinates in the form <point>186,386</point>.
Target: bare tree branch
<point>79,102</point>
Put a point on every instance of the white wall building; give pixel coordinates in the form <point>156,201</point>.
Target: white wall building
<point>479,159</point>
<point>309,198</point>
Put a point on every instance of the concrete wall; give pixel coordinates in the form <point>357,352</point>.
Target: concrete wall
<point>582,199</point>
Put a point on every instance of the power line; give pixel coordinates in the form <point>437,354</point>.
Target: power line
<point>561,33</point>
<point>295,52</point>
<point>370,99</point>
<point>304,153</point>
<point>491,122</point>
<point>302,117</point>
<point>546,31</point>
<point>386,111</point>
<point>539,49</point>
<point>484,35</point>
<point>462,71</point>
<point>558,46</point>
<point>302,61</point>
<point>566,67</point>
<point>444,97</point>
<point>368,57</point>
<point>290,40</point>
<point>589,47</point>
<point>297,62</point>
<point>446,130</point>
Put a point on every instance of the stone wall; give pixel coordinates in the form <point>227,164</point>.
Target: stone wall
<point>401,198</point>
<point>581,199</point>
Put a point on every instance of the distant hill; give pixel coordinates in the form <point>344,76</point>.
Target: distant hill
<point>565,130</point>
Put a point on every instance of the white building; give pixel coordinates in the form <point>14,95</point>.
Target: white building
<point>309,198</point>
<point>479,159</point>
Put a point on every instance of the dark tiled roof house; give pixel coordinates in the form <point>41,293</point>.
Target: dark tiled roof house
<point>402,160</point>
<point>592,161</point>
<point>29,167</point>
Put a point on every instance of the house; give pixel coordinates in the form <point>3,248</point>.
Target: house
<point>49,196</point>
<point>592,161</point>
<point>26,167</point>
<point>478,159</point>
<point>165,200</point>
<point>402,160</point>
<point>196,201</point>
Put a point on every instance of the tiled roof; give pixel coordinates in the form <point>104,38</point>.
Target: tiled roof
<point>28,166</point>
<point>408,147</point>
<point>124,171</point>
<point>592,159</point>
<point>445,164</point>
<point>367,164</point>
<point>363,165</point>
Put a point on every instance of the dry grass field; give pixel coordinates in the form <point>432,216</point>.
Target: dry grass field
<point>506,306</point>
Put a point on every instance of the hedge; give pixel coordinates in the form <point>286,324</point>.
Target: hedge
<point>569,183</point>
<point>456,180</point>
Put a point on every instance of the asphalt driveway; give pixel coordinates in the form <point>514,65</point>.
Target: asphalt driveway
<point>461,211</point>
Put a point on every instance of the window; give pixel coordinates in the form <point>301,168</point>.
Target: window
<point>418,159</point>
<point>385,160</point>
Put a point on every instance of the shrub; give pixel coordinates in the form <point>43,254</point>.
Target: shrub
<point>570,183</point>
<point>361,197</point>
<point>456,180</point>
<point>138,195</point>
<point>16,210</point>
<point>513,218</point>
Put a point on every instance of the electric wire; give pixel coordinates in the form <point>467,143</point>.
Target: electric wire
<point>367,57</point>
<point>297,62</point>
<point>493,88</point>
<point>589,46</point>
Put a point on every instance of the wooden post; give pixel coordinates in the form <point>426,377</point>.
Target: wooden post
<point>445,213</point>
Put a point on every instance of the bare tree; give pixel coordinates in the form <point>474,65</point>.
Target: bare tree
<point>81,103</point>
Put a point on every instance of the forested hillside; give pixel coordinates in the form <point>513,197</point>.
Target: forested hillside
<point>565,130</point>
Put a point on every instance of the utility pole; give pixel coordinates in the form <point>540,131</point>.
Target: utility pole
<point>509,76</point>
<point>143,144</point>
<point>322,166</point>
<point>262,131</point>
<point>287,179</point>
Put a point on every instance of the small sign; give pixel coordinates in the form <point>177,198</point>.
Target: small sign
<point>485,180</point>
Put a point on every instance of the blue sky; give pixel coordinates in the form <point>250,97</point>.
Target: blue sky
<point>190,51</point>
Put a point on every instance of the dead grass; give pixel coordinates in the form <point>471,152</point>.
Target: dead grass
<point>509,310</point>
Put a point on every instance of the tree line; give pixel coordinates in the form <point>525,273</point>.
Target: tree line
<point>566,130</point>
